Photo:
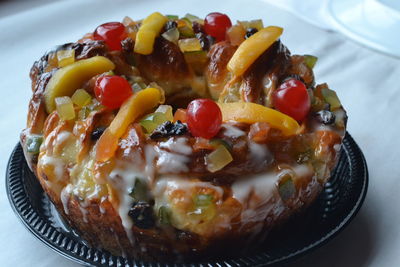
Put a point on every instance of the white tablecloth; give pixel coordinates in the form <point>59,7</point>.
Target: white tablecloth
<point>367,83</point>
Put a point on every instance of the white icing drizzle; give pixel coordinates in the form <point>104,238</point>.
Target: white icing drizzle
<point>178,145</point>
<point>62,137</point>
<point>65,196</point>
<point>264,187</point>
<point>57,163</point>
<point>232,131</point>
<point>123,178</point>
<point>150,155</point>
<point>84,213</point>
<point>169,162</point>
<point>260,152</point>
<point>177,182</point>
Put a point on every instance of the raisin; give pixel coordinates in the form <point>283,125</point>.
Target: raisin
<point>170,25</point>
<point>250,32</point>
<point>197,27</point>
<point>168,129</point>
<point>142,215</point>
<point>97,133</point>
<point>206,41</point>
<point>127,45</point>
<point>325,117</point>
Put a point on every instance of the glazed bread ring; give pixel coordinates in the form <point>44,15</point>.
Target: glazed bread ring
<point>173,138</point>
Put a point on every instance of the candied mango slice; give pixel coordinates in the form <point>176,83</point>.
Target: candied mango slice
<point>134,107</point>
<point>150,29</point>
<point>67,79</point>
<point>248,112</point>
<point>252,48</point>
<point>65,108</point>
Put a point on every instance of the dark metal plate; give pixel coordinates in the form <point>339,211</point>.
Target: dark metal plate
<point>337,205</point>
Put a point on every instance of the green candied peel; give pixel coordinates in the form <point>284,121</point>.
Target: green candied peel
<point>152,121</point>
<point>172,17</point>
<point>186,30</point>
<point>331,97</point>
<point>217,141</point>
<point>310,60</point>
<point>171,35</point>
<point>33,143</point>
<point>192,18</point>
<point>139,191</point>
<point>203,200</point>
<point>286,187</point>
<point>164,214</point>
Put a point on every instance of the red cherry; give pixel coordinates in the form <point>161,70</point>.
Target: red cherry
<point>216,24</point>
<point>292,99</point>
<point>112,33</point>
<point>204,118</point>
<point>112,91</point>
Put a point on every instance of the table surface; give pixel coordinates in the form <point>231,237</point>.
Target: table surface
<point>367,83</point>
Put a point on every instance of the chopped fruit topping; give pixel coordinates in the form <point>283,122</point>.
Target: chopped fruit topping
<point>180,115</point>
<point>256,24</point>
<point>286,187</point>
<point>33,143</point>
<point>193,18</point>
<point>310,60</point>
<point>134,107</point>
<point>171,35</point>
<point>139,191</point>
<point>65,57</point>
<point>204,208</point>
<point>216,24</point>
<point>248,112</point>
<point>168,129</point>
<point>167,110</point>
<point>164,214</point>
<point>148,31</point>
<point>65,108</point>
<point>204,118</point>
<point>236,34</point>
<point>190,45</point>
<point>292,99</point>
<point>185,28</point>
<point>68,79</point>
<point>112,33</point>
<point>218,142</point>
<point>112,91</point>
<point>252,48</point>
<point>152,121</point>
<point>331,97</point>
<point>218,159</point>
<point>81,98</point>
<point>172,17</point>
